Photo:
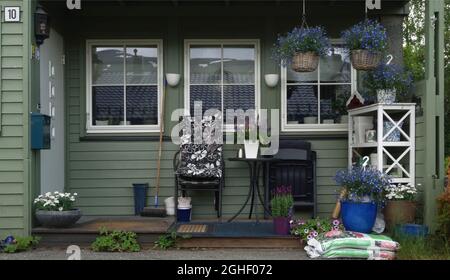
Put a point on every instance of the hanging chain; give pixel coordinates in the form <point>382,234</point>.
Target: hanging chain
<point>304,24</point>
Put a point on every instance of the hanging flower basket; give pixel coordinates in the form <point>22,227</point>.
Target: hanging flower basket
<point>301,48</point>
<point>367,41</point>
<point>365,60</point>
<point>305,62</point>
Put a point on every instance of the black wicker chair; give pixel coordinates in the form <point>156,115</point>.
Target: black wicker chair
<point>199,182</point>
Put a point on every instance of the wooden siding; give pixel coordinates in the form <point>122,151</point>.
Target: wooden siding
<point>12,95</point>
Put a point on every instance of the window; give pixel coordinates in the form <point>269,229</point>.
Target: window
<point>316,101</point>
<point>124,83</point>
<point>222,74</point>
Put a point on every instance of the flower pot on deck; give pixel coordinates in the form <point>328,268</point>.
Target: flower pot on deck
<point>359,216</point>
<point>281,225</point>
<point>58,219</point>
<point>399,212</point>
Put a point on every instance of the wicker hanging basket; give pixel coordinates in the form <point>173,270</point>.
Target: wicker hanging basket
<point>365,60</point>
<point>305,62</point>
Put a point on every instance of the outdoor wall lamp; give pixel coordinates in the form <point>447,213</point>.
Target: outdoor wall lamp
<point>41,25</point>
<point>271,80</point>
<point>173,79</point>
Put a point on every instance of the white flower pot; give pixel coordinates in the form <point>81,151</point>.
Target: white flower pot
<point>271,80</point>
<point>170,205</point>
<point>310,120</point>
<point>386,96</point>
<point>251,149</point>
<point>173,79</point>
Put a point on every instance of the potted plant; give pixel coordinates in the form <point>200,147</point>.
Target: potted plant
<point>400,205</point>
<point>56,209</point>
<point>366,41</point>
<point>363,191</point>
<point>302,48</point>
<point>387,81</point>
<point>282,207</point>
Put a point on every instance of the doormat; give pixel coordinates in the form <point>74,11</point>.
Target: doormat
<point>192,228</point>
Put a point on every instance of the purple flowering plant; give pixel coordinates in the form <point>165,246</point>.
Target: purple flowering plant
<point>308,229</point>
<point>282,201</point>
<point>301,40</point>
<point>361,183</point>
<point>366,35</point>
<point>388,77</point>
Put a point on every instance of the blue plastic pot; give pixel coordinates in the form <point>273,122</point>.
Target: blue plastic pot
<point>140,197</point>
<point>413,230</point>
<point>359,216</point>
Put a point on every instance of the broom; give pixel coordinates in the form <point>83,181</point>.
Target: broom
<point>156,211</point>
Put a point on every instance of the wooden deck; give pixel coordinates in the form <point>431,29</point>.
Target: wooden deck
<point>197,234</point>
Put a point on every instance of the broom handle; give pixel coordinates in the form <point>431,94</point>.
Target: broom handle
<point>337,208</point>
<point>161,128</point>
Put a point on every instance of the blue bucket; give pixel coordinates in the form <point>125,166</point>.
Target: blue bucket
<point>412,230</point>
<point>359,216</point>
<point>184,214</point>
<point>140,197</point>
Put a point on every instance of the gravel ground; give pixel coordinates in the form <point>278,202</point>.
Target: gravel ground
<point>184,254</point>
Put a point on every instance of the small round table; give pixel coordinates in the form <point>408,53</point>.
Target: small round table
<point>253,164</point>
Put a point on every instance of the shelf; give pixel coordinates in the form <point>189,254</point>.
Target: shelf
<point>385,144</point>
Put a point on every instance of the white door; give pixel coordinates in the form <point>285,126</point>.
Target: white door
<point>52,104</point>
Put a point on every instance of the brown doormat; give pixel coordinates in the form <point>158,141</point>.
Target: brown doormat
<point>192,228</point>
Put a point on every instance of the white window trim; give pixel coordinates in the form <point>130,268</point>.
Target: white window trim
<point>91,129</point>
<point>222,42</point>
<point>320,128</point>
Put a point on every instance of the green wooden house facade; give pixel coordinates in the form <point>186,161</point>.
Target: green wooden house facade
<point>101,165</point>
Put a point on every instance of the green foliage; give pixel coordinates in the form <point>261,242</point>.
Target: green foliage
<point>431,247</point>
<point>282,202</point>
<point>167,241</point>
<point>22,244</point>
<point>414,53</point>
<point>116,241</point>
<point>443,217</point>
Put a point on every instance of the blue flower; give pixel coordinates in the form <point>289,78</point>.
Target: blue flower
<point>310,39</point>
<point>367,35</point>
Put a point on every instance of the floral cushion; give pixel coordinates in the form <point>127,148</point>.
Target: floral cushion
<point>200,160</point>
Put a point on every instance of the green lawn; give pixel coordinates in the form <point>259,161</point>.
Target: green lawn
<point>427,248</point>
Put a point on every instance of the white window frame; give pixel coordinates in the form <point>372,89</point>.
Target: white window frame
<point>94,129</point>
<point>319,127</point>
<point>222,42</point>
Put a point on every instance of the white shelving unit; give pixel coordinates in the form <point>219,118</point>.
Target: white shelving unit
<point>396,158</point>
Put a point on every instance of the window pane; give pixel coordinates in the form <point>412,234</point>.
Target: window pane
<point>205,64</point>
<point>302,104</point>
<point>142,65</point>
<point>239,65</point>
<point>107,105</point>
<point>142,105</point>
<point>238,97</point>
<point>296,77</point>
<point>210,96</point>
<point>107,65</point>
<point>335,67</point>
<point>332,102</point>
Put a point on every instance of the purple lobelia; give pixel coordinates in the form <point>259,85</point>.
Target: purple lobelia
<point>366,35</point>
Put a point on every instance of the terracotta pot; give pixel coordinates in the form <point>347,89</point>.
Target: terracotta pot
<point>281,225</point>
<point>399,212</point>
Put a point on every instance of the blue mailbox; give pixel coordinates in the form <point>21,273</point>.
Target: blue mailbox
<point>40,131</point>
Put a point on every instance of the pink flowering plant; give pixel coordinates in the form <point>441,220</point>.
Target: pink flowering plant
<point>308,229</point>
<point>282,202</point>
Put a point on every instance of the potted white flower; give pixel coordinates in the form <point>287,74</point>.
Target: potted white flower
<point>56,209</point>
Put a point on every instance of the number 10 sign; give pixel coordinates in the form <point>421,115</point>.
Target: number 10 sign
<point>12,14</point>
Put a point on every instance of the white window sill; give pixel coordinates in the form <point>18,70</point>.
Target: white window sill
<point>316,128</point>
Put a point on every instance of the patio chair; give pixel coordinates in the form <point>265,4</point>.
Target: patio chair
<point>295,166</point>
<point>200,167</point>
